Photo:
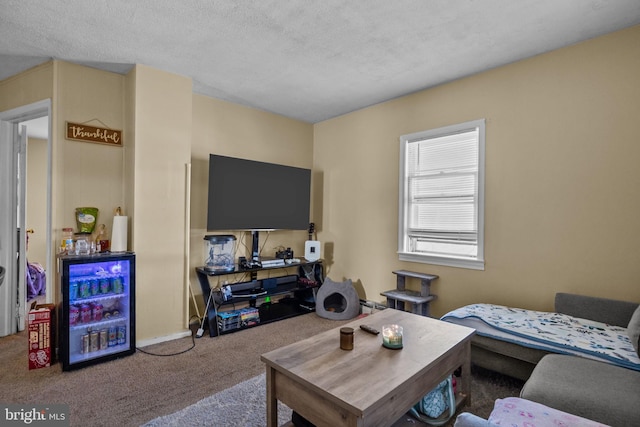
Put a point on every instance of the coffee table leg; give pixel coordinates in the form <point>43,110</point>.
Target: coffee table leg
<point>272,403</point>
<point>465,375</point>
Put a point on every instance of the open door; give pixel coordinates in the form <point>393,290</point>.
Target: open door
<point>8,243</point>
<point>12,235</point>
<point>20,159</point>
<point>13,141</point>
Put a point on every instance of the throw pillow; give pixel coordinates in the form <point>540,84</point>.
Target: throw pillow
<point>634,330</point>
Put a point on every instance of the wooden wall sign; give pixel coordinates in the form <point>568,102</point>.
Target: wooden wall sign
<point>81,132</point>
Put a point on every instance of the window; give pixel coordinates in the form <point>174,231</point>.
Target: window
<point>441,218</point>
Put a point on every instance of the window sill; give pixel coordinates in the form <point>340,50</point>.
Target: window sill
<point>472,264</point>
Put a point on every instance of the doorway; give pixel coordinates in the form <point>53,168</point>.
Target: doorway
<point>13,211</point>
<point>35,223</point>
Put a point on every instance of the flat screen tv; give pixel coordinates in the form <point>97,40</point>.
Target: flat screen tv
<point>251,195</point>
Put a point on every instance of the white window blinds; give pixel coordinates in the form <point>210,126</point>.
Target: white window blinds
<point>442,195</point>
<point>442,179</point>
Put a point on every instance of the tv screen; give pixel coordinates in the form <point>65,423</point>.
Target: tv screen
<point>251,195</point>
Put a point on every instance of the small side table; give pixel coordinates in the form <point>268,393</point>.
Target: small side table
<point>397,298</point>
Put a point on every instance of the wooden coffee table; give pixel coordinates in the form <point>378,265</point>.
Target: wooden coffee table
<point>371,384</point>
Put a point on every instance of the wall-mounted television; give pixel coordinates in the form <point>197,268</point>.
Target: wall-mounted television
<point>252,195</point>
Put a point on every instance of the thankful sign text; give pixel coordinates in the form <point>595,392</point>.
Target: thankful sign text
<point>80,132</point>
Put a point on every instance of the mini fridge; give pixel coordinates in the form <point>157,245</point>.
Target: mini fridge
<point>96,308</point>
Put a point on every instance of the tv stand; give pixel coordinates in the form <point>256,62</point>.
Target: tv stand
<point>296,293</point>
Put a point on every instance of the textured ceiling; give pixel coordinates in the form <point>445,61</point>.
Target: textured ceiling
<point>309,60</point>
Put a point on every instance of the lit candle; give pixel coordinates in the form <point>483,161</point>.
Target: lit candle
<point>392,336</point>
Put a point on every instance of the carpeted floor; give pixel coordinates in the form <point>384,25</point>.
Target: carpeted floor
<point>243,405</point>
<point>136,389</point>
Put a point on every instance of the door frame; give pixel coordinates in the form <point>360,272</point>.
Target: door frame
<point>13,316</point>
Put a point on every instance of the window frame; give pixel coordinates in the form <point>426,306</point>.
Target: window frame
<point>470,262</point>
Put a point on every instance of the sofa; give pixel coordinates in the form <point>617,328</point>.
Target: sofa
<point>603,388</point>
<point>517,360</point>
<point>588,388</point>
<point>568,391</point>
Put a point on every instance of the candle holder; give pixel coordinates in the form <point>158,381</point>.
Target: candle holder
<point>392,336</point>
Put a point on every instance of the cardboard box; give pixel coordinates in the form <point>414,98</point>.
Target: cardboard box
<point>41,327</point>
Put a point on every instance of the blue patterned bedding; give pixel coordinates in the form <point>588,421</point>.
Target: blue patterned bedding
<point>548,331</point>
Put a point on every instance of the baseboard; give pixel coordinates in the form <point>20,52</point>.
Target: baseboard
<point>158,340</point>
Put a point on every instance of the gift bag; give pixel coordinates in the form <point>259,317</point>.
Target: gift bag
<point>438,406</point>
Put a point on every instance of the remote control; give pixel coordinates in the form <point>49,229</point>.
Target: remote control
<point>369,329</point>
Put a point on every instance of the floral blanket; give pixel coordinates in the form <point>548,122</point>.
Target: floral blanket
<point>517,412</point>
<point>555,332</point>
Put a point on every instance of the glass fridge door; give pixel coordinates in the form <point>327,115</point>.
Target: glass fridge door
<point>99,306</point>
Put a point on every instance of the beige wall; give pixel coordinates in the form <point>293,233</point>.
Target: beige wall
<point>87,174</point>
<point>562,179</point>
<point>220,127</point>
<point>161,150</point>
<point>27,87</point>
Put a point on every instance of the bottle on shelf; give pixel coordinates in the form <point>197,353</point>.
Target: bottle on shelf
<point>102,241</point>
<point>66,247</point>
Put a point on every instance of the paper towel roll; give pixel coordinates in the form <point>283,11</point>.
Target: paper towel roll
<point>119,234</point>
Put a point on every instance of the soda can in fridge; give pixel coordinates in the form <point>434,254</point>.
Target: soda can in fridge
<point>85,313</point>
<point>94,341</point>
<point>74,315</point>
<point>96,311</point>
<point>73,290</point>
<point>112,336</point>
<point>94,287</point>
<point>122,334</point>
<point>85,344</point>
<point>84,289</point>
<point>116,285</point>
<point>104,339</point>
<point>105,285</point>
